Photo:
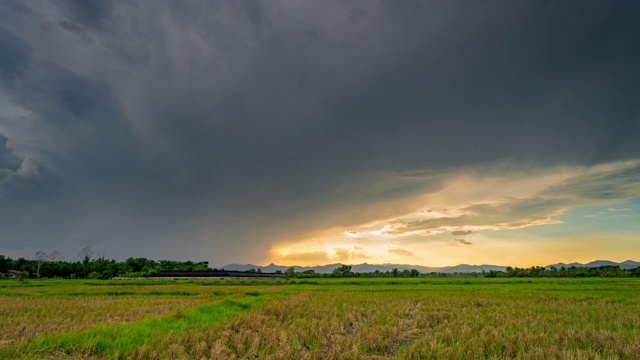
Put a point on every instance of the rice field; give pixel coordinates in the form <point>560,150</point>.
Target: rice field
<point>322,319</point>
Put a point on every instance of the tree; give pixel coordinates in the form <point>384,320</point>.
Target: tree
<point>494,274</point>
<point>415,273</point>
<point>201,266</point>
<point>55,256</point>
<point>394,271</point>
<point>4,264</point>
<point>85,253</point>
<point>343,271</point>
<point>290,272</point>
<point>40,257</point>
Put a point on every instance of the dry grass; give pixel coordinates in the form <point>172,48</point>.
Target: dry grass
<point>459,320</point>
<point>27,317</point>
<point>418,325</point>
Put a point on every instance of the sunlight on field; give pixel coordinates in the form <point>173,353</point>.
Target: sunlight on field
<point>322,319</point>
<point>27,317</point>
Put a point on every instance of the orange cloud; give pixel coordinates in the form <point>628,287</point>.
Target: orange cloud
<point>400,251</point>
<point>307,257</point>
<point>347,254</point>
<point>463,241</point>
<point>489,200</point>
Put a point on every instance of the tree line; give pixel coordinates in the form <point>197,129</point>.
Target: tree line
<point>52,265</point>
<point>572,271</point>
<point>87,266</point>
<point>536,271</point>
<point>345,271</point>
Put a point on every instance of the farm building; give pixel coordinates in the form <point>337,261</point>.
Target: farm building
<point>11,274</point>
<point>218,274</point>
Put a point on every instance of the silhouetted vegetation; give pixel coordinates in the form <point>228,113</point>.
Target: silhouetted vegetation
<point>573,271</point>
<point>53,266</point>
<point>89,268</point>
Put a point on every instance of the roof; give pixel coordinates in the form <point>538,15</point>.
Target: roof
<point>217,274</point>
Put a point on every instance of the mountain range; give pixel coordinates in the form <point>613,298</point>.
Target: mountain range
<point>364,268</point>
<point>462,268</point>
<point>625,265</point>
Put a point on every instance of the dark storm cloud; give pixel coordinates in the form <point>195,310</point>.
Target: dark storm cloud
<point>89,13</point>
<point>8,160</point>
<point>19,178</point>
<point>64,98</point>
<point>14,57</point>
<point>211,122</point>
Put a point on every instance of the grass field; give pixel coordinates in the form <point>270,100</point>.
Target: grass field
<point>321,319</point>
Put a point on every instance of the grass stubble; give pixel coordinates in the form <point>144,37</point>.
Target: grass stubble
<point>369,319</point>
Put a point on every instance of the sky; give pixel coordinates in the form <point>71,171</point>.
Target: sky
<point>312,132</point>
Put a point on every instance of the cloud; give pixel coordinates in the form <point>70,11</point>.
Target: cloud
<point>236,124</point>
<point>400,251</point>
<point>8,160</point>
<point>461,232</point>
<point>463,241</point>
<point>350,253</point>
<point>19,178</point>
<point>591,186</point>
<point>309,257</point>
<point>15,58</point>
<point>89,13</point>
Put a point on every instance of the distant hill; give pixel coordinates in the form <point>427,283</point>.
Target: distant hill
<point>462,268</point>
<point>625,265</point>
<point>364,268</point>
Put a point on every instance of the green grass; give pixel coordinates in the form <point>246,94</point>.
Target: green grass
<point>122,339</point>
